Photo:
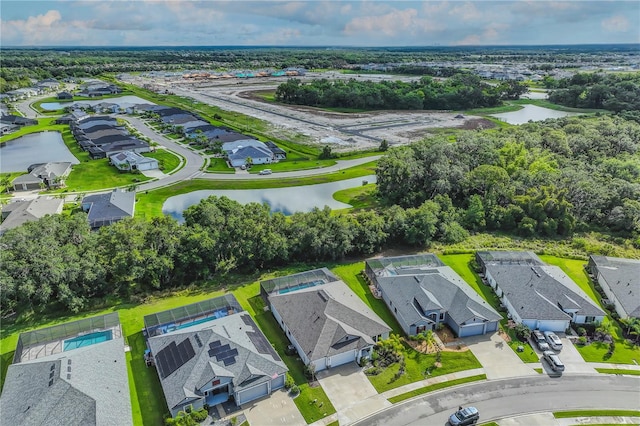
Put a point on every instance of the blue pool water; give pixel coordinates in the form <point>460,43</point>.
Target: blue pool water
<point>215,315</point>
<point>87,340</point>
<point>300,287</point>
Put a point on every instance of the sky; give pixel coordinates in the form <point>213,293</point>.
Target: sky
<point>316,23</point>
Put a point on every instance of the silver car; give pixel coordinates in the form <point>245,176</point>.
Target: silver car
<point>464,416</point>
<point>553,340</point>
<point>553,360</point>
<point>541,342</point>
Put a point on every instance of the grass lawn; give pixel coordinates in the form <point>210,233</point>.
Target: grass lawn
<point>219,165</point>
<point>150,202</point>
<point>92,175</point>
<point>510,106</point>
<point>436,386</point>
<point>360,198</point>
<point>417,365</point>
<point>618,371</point>
<point>350,274</point>
<point>461,264</point>
<point>168,161</point>
<point>8,178</point>
<point>595,413</point>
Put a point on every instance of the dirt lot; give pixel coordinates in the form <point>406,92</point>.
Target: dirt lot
<point>343,131</point>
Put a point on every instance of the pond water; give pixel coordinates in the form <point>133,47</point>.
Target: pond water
<point>533,113</point>
<point>18,154</point>
<point>284,200</point>
<point>123,101</point>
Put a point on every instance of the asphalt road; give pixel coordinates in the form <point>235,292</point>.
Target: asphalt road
<point>513,397</point>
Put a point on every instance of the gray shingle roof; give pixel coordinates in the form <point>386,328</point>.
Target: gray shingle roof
<point>26,211</point>
<point>111,206</point>
<point>321,317</point>
<point>437,288</point>
<point>623,278</point>
<point>251,367</point>
<point>94,392</point>
<point>536,291</point>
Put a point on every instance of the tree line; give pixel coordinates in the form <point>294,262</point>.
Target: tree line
<point>462,91</point>
<point>540,179</point>
<point>613,92</point>
<point>548,178</point>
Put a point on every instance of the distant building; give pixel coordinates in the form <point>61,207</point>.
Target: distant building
<point>620,281</point>
<point>129,161</point>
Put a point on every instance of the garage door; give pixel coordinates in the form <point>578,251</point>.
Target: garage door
<point>343,358</point>
<point>253,393</point>
<point>471,330</point>
<point>557,326</point>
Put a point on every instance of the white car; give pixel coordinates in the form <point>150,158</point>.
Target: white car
<point>265,172</point>
<point>540,340</point>
<point>553,340</point>
<point>553,360</point>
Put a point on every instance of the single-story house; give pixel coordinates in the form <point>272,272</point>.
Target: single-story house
<point>620,281</point>
<point>7,128</point>
<point>278,153</point>
<point>422,292</point>
<point>16,213</point>
<point>169,111</point>
<point>49,174</point>
<point>133,145</point>
<point>178,118</point>
<point>209,352</point>
<point>535,294</point>
<point>127,160</point>
<point>79,115</point>
<point>105,209</point>
<point>257,155</point>
<point>17,120</point>
<point>325,321</point>
<point>97,119</point>
<point>64,95</point>
<point>60,376</point>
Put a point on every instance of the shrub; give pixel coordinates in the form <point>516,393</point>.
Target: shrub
<point>200,415</point>
<point>582,340</point>
<point>522,332</point>
<point>582,331</point>
<point>373,371</point>
<point>289,382</point>
<point>295,390</point>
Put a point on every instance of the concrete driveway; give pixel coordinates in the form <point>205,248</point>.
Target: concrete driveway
<point>351,393</point>
<point>572,360</point>
<point>275,410</point>
<point>497,358</point>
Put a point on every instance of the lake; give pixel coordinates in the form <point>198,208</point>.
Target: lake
<point>123,101</point>
<point>284,200</point>
<point>533,113</point>
<point>43,147</point>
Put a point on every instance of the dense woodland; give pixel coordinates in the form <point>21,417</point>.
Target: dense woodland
<point>614,92</point>
<point>550,178</point>
<point>461,91</point>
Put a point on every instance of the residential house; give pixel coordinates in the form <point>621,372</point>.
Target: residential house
<point>64,95</point>
<point>238,151</point>
<point>422,293</point>
<point>17,120</point>
<point>535,294</point>
<point>72,374</point>
<point>620,281</point>
<point>79,115</point>
<point>325,321</point>
<point>6,128</point>
<point>105,209</point>
<point>210,352</point>
<point>109,149</point>
<point>50,175</point>
<point>16,213</point>
<point>278,153</point>
<point>128,160</point>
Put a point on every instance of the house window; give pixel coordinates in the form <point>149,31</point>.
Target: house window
<point>441,316</point>
<point>215,382</point>
<point>589,319</point>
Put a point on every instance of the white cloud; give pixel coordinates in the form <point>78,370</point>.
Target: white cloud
<point>615,24</point>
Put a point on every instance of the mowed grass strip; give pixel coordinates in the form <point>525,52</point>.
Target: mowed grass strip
<point>168,161</point>
<point>618,371</point>
<point>595,413</point>
<point>436,386</point>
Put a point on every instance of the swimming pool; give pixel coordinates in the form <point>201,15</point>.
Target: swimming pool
<point>88,340</point>
<point>213,316</point>
<point>300,286</point>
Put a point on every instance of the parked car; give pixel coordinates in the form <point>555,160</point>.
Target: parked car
<point>464,416</point>
<point>553,340</point>
<point>553,360</point>
<point>265,172</point>
<point>539,339</point>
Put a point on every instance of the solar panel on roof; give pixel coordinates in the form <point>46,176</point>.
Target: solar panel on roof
<point>247,320</point>
<point>174,356</point>
<point>262,345</point>
<point>215,344</point>
<point>229,361</point>
<point>198,341</point>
